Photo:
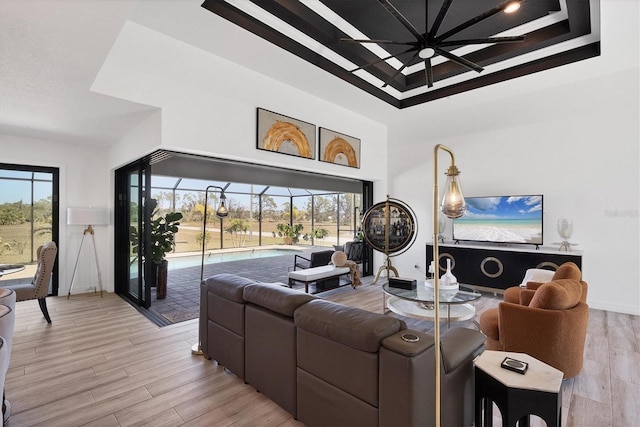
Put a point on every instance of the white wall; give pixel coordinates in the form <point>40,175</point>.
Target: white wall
<point>577,144</point>
<point>209,104</point>
<point>84,182</point>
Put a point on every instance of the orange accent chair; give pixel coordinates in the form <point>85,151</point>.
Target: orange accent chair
<point>545,320</point>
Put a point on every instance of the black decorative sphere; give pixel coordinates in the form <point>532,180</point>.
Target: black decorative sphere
<point>390,227</point>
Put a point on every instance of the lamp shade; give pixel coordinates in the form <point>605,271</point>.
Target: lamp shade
<point>222,210</point>
<point>88,216</point>
<point>453,204</point>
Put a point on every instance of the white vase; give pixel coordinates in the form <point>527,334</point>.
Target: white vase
<point>448,284</point>
<point>448,279</point>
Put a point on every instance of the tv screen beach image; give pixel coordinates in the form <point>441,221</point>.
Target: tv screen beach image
<point>506,219</point>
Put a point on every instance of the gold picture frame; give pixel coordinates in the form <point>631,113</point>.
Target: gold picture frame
<point>285,135</point>
<point>338,148</point>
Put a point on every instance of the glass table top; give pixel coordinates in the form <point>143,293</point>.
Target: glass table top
<point>424,293</point>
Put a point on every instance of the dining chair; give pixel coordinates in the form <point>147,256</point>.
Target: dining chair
<point>39,286</point>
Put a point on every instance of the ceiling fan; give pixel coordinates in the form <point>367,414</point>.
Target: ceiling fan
<point>430,44</point>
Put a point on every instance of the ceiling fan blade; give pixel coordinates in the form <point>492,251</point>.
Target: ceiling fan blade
<point>489,40</point>
<point>429,72</point>
<point>377,41</point>
<point>382,60</point>
<point>475,20</point>
<point>404,21</point>
<point>439,18</point>
<point>400,70</point>
<point>459,60</point>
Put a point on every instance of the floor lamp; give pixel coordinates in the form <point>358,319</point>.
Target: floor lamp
<point>221,212</point>
<point>453,206</point>
<point>87,217</point>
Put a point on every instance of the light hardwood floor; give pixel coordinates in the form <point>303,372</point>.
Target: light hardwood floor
<point>101,363</point>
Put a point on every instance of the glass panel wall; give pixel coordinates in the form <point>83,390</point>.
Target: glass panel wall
<point>258,214</point>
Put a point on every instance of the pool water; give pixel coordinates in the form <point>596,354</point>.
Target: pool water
<point>178,262</point>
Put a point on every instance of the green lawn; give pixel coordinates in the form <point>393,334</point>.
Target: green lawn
<point>15,246</point>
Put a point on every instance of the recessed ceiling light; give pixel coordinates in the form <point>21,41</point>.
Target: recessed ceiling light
<point>512,7</point>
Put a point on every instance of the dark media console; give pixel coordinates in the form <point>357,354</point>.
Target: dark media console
<point>497,267</point>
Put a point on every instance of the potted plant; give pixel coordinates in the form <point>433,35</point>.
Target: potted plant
<point>163,230</point>
<point>290,233</point>
<point>316,233</point>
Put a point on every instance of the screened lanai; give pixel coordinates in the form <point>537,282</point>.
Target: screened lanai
<point>255,211</point>
<point>272,212</point>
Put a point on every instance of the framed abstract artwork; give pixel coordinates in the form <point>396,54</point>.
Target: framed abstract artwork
<point>285,135</point>
<point>339,148</point>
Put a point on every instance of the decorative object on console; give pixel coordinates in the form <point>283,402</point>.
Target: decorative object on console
<point>453,206</point>
<point>285,135</point>
<point>389,227</point>
<point>339,148</point>
<point>565,229</point>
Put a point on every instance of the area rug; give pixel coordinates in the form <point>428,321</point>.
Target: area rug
<point>182,315</point>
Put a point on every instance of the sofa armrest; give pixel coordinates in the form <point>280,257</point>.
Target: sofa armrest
<point>458,345</point>
<point>397,344</point>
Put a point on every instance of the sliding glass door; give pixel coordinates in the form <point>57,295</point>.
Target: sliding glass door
<point>130,229</point>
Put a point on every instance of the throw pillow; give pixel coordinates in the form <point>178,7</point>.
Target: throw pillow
<point>557,295</point>
<point>568,270</point>
<point>339,259</point>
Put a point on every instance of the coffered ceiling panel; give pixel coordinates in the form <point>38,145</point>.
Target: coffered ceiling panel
<point>407,52</point>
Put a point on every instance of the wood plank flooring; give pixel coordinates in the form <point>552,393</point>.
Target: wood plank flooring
<point>101,363</point>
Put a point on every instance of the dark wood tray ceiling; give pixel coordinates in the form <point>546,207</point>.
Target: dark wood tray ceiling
<point>373,19</point>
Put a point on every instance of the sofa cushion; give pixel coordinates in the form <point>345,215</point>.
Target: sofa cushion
<point>228,286</point>
<point>557,295</point>
<point>274,297</point>
<point>353,327</point>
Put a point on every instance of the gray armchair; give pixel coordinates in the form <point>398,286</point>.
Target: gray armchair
<point>39,286</point>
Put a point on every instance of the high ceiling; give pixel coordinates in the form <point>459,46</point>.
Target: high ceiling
<point>52,51</point>
<point>322,33</point>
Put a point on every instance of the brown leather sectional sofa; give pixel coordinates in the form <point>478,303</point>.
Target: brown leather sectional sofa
<point>330,364</point>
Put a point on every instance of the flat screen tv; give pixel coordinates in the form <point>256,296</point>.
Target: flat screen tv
<point>502,219</point>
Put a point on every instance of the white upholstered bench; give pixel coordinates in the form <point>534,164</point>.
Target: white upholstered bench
<point>314,274</point>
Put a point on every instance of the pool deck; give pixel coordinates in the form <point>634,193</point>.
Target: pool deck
<point>183,286</point>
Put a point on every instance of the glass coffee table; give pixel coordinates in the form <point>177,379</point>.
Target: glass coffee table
<point>418,303</point>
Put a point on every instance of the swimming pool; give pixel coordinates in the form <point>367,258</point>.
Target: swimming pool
<point>178,262</point>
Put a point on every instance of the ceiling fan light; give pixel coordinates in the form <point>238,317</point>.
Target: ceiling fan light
<point>427,52</point>
<point>512,7</point>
